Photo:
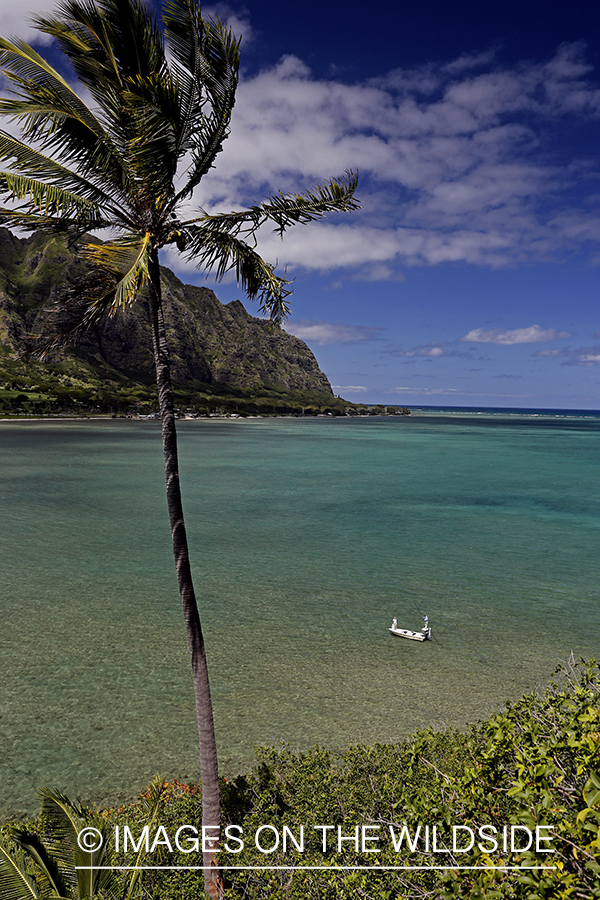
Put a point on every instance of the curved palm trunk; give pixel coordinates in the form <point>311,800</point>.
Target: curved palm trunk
<point>208,750</point>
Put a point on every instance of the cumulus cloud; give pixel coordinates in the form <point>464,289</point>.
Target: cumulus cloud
<point>432,350</point>
<point>455,161</point>
<point>15,19</point>
<point>378,272</point>
<point>582,356</point>
<point>589,356</point>
<point>469,61</point>
<point>331,332</point>
<point>552,354</point>
<point>532,335</point>
<point>239,21</point>
<point>350,388</point>
<point>458,161</point>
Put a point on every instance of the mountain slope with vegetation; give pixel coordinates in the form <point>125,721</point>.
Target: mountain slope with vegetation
<point>222,357</point>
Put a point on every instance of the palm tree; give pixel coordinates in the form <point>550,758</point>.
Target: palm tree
<point>62,868</point>
<point>161,99</point>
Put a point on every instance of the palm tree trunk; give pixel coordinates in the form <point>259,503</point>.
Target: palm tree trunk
<point>211,816</point>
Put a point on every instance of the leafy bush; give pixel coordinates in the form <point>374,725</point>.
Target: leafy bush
<point>537,764</point>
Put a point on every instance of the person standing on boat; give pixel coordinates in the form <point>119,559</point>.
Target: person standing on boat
<point>394,623</point>
<point>426,625</point>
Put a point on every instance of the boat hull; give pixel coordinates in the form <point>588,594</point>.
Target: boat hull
<point>412,635</point>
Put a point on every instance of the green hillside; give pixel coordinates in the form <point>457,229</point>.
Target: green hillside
<point>223,359</point>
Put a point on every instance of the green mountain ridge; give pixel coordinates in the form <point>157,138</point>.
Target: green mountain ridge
<point>222,357</point>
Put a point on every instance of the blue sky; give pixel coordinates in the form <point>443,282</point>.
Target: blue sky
<point>471,274</point>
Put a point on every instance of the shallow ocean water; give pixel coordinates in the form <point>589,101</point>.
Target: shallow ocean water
<point>306,537</point>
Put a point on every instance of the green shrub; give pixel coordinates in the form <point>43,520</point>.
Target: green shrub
<point>535,764</point>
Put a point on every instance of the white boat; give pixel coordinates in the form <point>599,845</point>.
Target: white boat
<point>423,635</point>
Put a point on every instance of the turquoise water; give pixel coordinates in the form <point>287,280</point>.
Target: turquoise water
<point>306,537</point>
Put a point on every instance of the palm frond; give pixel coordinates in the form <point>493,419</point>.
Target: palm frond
<point>62,822</point>
<point>115,275</point>
<point>107,41</point>
<point>81,33</point>
<point>126,260</point>
<point>51,113</point>
<point>220,253</point>
<point>33,75</point>
<point>153,803</point>
<point>153,144</point>
<point>32,221</point>
<point>47,198</point>
<point>184,30</point>
<point>15,883</point>
<point>33,163</point>
<point>117,51</point>
<point>81,305</point>
<point>50,878</point>
<point>218,76</point>
<point>80,870</point>
<point>285,210</point>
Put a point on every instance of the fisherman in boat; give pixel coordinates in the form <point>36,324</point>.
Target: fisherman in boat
<point>426,621</point>
<point>394,623</point>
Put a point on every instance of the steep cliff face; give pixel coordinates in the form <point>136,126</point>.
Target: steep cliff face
<point>209,342</point>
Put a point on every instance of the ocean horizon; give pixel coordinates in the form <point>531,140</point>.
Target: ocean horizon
<point>306,537</point>
<point>525,411</point>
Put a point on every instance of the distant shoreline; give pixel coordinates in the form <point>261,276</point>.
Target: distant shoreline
<point>416,412</point>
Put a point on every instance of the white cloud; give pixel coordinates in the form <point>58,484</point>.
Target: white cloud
<point>453,392</point>
<point>458,161</point>
<point>553,354</point>
<point>426,391</point>
<point>378,272</point>
<point>15,19</point>
<point>433,350</point>
<point>351,388</point>
<point>239,21</point>
<point>331,332</point>
<point>583,356</point>
<point>470,61</point>
<point>454,159</point>
<point>532,335</point>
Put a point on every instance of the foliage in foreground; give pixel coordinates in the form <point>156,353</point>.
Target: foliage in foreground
<point>53,865</point>
<point>536,764</point>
